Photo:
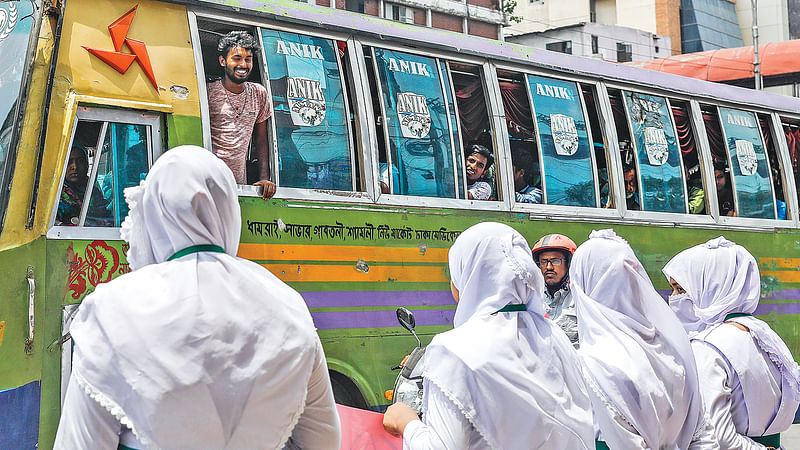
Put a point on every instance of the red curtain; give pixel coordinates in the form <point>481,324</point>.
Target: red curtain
<point>517,110</point>
<point>472,111</point>
<point>684,128</point>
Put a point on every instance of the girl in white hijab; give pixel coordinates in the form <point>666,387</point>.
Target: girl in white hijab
<point>195,348</point>
<point>635,355</point>
<point>749,379</point>
<point>505,377</point>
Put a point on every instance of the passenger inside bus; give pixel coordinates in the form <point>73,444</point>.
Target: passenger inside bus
<point>631,195</point>
<point>479,160</point>
<point>239,109</point>
<point>527,180</point>
<point>724,191</point>
<point>73,193</point>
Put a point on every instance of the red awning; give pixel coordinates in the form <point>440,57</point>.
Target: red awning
<point>779,61</point>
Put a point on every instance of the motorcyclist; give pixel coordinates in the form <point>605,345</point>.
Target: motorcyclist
<point>553,253</point>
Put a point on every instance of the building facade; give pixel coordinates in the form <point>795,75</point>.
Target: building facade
<point>709,25</point>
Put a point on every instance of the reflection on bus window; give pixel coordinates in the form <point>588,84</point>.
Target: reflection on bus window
<point>691,162</point>
<point>522,136</point>
<point>749,168</point>
<point>657,158</point>
<point>791,129</point>
<point>415,125</point>
<point>774,165</point>
<point>311,117</point>
<point>719,158</point>
<point>566,149</point>
<point>598,143</point>
<point>105,158</point>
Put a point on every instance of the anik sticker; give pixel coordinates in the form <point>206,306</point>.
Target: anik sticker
<point>655,143</point>
<point>415,118</point>
<point>565,134</point>
<point>746,154</point>
<point>306,101</point>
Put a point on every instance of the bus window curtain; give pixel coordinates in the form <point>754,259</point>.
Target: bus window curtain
<point>472,111</point>
<point>517,109</point>
<point>685,136</point>
<point>718,151</point>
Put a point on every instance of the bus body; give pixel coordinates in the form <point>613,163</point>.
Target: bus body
<point>368,157</point>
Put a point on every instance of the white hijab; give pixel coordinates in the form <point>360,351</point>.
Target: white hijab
<point>514,375</point>
<point>204,351</point>
<point>635,355</point>
<point>721,278</point>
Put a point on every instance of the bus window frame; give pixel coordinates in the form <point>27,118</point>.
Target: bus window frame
<point>704,156</point>
<point>282,192</point>
<point>730,164</point>
<point>461,175</point>
<point>789,182</point>
<point>542,210</point>
<point>103,113</point>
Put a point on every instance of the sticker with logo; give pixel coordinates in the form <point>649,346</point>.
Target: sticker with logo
<point>746,154</point>
<point>655,143</point>
<point>415,118</point>
<point>565,134</point>
<point>306,101</point>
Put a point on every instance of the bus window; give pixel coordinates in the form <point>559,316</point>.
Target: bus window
<point>458,145</point>
<point>657,157</point>
<point>629,178</point>
<point>774,165</point>
<point>522,136</point>
<point>749,168</point>
<point>719,156</point>
<point>567,152</point>
<point>419,153</point>
<point>105,157</point>
<point>598,143</point>
<point>791,129</point>
<point>312,118</point>
<point>691,162</point>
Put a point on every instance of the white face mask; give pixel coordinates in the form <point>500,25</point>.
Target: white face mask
<point>683,306</point>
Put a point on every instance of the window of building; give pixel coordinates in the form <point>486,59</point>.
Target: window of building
<point>624,52</point>
<point>354,6</point>
<point>311,114</point>
<point>656,156</point>
<point>399,13</point>
<point>110,150</point>
<point>595,45</point>
<point>561,47</point>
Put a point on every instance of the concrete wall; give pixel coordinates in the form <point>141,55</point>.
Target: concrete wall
<point>773,21</point>
<point>541,15</point>
<point>639,14</point>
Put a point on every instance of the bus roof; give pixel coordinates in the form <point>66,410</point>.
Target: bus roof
<point>346,21</point>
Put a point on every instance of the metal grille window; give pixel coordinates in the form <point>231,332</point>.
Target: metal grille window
<point>624,52</point>
<point>595,45</point>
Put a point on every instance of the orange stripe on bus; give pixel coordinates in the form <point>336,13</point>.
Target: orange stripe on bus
<point>779,263</point>
<point>303,252</point>
<point>309,272</point>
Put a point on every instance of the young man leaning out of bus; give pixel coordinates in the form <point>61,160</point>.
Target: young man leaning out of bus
<point>553,253</point>
<point>239,111</point>
<point>522,165</point>
<point>479,160</point>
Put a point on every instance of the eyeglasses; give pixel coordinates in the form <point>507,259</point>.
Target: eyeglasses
<point>554,261</point>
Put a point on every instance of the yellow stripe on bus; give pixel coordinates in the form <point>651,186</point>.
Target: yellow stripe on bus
<point>303,252</point>
<point>310,272</point>
<point>784,276</point>
<point>779,263</point>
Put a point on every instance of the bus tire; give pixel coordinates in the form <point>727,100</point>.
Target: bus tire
<point>345,391</point>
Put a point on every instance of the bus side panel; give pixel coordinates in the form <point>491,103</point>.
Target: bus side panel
<point>21,371</point>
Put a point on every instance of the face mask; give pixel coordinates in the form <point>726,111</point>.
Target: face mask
<point>683,306</point>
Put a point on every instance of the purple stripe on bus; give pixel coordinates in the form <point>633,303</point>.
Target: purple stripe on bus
<point>352,299</point>
<point>766,308</point>
<point>784,294</point>
<point>326,320</point>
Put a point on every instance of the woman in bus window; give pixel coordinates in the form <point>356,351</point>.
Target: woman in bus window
<point>748,378</point>
<point>635,356</point>
<point>724,191</point>
<point>505,376</point>
<point>76,179</point>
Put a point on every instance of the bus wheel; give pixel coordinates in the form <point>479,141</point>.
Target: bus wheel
<point>346,392</point>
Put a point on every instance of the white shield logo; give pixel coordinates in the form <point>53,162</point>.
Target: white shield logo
<point>415,118</point>
<point>565,135</point>
<point>746,154</point>
<point>655,144</point>
<point>306,101</point>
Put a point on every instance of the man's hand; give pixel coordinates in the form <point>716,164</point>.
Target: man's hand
<point>397,417</point>
<point>269,188</point>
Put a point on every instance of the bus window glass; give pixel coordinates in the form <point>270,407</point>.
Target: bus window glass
<point>774,165</point>
<point>696,198</point>
<point>748,163</point>
<point>791,129</point>
<point>13,47</point>
<point>564,143</point>
<point>719,156</point>
<point>416,123</point>
<point>454,127</point>
<point>657,156</point>
<point>522,136</point>
<point>311,117</point>
<point>598,143</point>
<point>630,180</point>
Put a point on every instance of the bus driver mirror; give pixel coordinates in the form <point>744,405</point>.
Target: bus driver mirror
<point>406,319</point>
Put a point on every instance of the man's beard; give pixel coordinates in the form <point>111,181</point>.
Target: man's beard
<point>231,75</point>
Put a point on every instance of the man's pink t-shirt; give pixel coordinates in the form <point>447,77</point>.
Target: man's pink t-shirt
<point>233,117</point>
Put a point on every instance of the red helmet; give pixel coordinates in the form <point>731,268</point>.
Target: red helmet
<point>554,242</point>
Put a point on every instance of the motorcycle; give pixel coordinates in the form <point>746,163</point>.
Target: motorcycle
<point>408,385</point>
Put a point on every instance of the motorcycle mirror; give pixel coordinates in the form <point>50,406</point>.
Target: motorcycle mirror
<point>406,319</point>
